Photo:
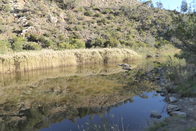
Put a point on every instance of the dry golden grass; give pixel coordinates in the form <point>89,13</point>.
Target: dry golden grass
<point>24,61</point>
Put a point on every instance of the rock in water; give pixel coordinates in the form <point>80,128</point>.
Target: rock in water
<point>155,114</point>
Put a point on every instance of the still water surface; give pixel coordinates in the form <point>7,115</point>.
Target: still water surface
<point>78,98</point>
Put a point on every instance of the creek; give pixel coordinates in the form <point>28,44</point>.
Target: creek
<point>88,97</point>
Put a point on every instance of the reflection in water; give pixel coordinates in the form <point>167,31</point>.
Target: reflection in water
<point>36,99</point>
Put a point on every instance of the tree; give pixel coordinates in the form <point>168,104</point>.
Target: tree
<point>184,6</point>
<point>159,5</point>
<point>185,31</point>
<point>149,3</point>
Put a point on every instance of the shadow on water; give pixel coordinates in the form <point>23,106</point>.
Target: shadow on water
<point>78,97</point>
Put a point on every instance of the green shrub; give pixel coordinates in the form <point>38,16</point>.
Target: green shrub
<point>98,15</point>
<point>111,16</point>
<point>78,27</point>
<point>31,46</point>
<point>102,21</point>
<point>5,8</point>
<point>141,44</point>
<point>112,42</point>
<point>3,29</point>
<point>77,43</point>
<point>48,34</point>
<point>88,13</point>
<point>97,42</point>
<point>106,11</point>
<point>61,37</point>
<point>18,43</point>
<point>4,46</point>
<point>45,42</point>
<point>33,37</point>
<point>66,45</point>
<point>130,43</point>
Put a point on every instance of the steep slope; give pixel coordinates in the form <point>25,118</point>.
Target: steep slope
<point>58,24</point>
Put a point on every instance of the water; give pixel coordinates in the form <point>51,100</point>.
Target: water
<point>91,97</point>
<point>130,115</point>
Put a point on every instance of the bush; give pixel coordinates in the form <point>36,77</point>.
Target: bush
<point>111,17</point>
<point>97,15</point>
<point>98,42</point>
<point>77,43</point>
<point>3,29</point>
<point>106,11</point>
<point>102,21</point>
<point>5,8</point>
<point>18,43</point>
<point>112,42</point>
<point>88,13</point>
<point>66,45</point>
<point>33,37</point>
<point>31,46</point>
<point>4,46</point>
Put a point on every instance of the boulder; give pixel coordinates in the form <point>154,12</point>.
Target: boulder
<point>171,108</point>
<point>172,99</point>
<point>178,113</point>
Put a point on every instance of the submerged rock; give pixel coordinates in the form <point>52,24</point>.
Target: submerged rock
<point>155,114</point>
<point>172,99</point>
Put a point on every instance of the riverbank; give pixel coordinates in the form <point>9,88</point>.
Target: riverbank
<point>25,61</point>
<point>182,109</point>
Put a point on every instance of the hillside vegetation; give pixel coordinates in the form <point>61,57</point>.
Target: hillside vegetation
<point>67,24</point>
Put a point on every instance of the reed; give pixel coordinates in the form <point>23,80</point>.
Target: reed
<point>24,61</point>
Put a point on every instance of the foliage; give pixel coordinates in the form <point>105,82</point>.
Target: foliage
<point>97,42</point>
<point>159,5</point>
<point>31,46</point>
<point>18,43</point>
<point>2,29</point>
<point>65,45</point>
<point>77,43</point>
<point>65,4</point>
<point>5,7</point>
<point>185,30</point>
<point>132,26</point>
<point>112,42</point>
<point>184,6</point>
<point>88,13</point>
<point>4,46</point>
<point>183,75</point>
